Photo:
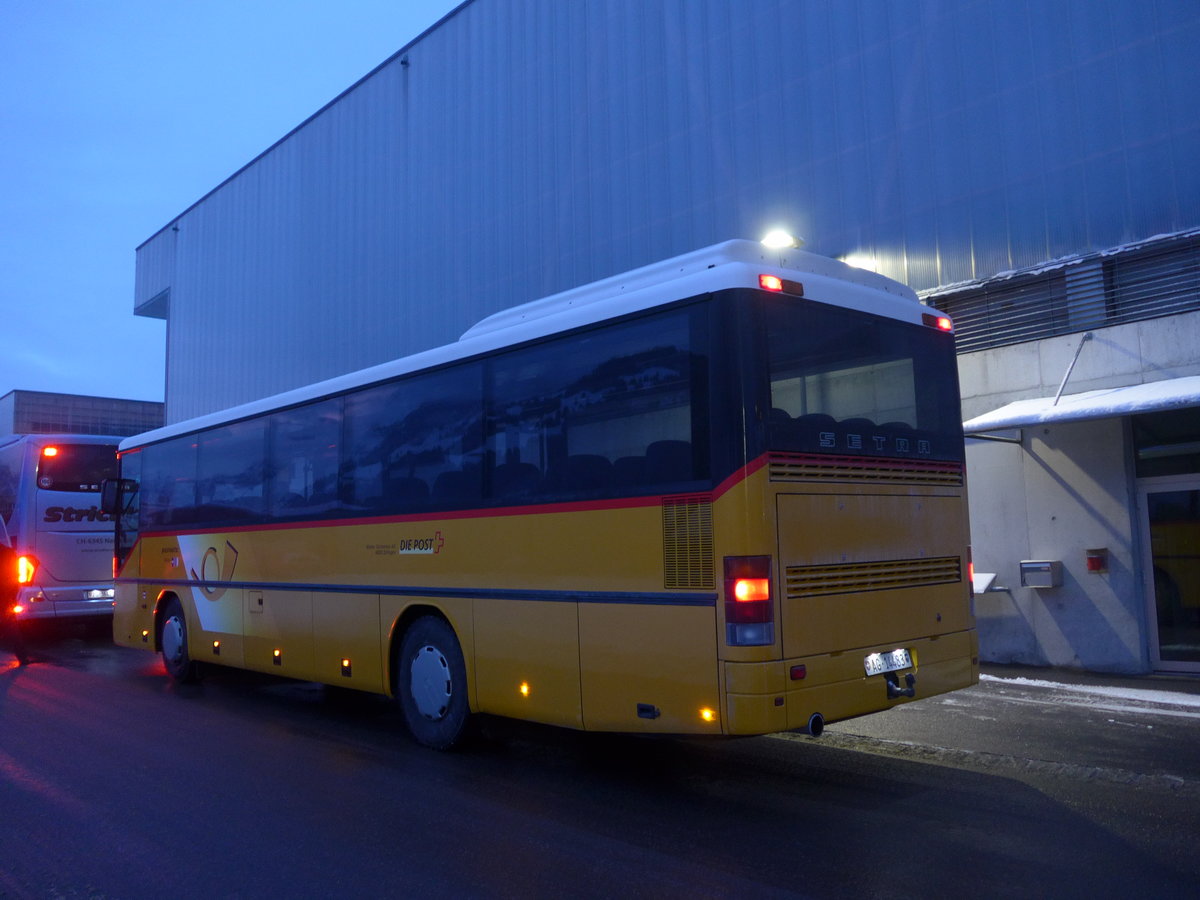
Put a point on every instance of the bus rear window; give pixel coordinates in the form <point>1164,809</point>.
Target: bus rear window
<point>76,467</point>
<point>847,383</point>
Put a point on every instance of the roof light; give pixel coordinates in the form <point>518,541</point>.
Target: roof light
<point>865,261</point>
<point>942,323</point>
<point>780,285</point>
<point>778,239</point>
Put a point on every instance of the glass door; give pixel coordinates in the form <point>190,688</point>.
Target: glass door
<point>1171,546</point>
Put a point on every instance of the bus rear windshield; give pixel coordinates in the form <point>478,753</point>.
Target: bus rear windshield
<point>76,467</point>
<point>844,382</point>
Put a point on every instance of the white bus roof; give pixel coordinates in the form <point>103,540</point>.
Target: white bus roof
<point>731,264</point>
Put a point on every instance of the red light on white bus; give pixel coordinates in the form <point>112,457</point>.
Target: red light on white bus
<point>26,569</point>
<point>749,609</point>
<point>49,451</point>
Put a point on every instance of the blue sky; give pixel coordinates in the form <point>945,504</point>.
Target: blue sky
<point>115,115</point>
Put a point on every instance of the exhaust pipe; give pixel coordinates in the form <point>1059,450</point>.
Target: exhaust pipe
<point>816,725</point>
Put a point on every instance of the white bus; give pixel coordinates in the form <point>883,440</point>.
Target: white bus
<point>50,502</point>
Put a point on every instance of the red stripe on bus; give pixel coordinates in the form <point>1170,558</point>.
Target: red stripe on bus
<point>477,512</point>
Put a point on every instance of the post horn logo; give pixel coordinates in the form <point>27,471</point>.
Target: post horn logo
<point>216,572</point>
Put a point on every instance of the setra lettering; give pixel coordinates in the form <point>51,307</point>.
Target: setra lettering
<point>829,440</point>
<point>71,514</point>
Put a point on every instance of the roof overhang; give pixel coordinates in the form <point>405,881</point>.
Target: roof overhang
<point>1172,393</point>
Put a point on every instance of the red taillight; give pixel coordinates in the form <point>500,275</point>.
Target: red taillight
<point>751,590</point>
<point>49,451</point>
<point>26,569</point>
<point>749,610</point>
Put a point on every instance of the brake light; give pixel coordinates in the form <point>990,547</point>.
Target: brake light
<point>49,451</point>
<point>749,609</point>
<point>18,609</point>
<point>26,569</point>
<point>751,590</point>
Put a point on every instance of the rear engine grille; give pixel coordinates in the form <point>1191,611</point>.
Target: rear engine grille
<point>817,467</point>
<point>688,542</point>
<point>846,578</point>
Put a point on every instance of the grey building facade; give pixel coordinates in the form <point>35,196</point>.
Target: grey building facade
<point>41,412</point>
<point>521,148</point>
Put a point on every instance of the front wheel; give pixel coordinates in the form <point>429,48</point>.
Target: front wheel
<point>432,683</point>
<point>173,641</point>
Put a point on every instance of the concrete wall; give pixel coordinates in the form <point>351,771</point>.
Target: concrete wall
<point>1064,489</point>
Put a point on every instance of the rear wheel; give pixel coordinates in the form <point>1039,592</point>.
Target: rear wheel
<point>173,639</point>
<point>431,683</point>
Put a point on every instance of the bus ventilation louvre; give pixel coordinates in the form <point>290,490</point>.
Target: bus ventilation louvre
<point>845,578</point>
<point>688,542</point>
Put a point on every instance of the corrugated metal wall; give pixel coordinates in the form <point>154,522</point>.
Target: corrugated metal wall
<point>525,147</point>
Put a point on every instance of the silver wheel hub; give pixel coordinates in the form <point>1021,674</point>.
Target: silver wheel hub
<point>172,639</point>
<point>431,685</point>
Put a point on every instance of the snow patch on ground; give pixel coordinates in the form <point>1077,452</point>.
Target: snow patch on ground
<point>1165,698</point>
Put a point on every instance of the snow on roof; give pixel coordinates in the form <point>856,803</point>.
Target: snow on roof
<point>1072,259</point>
<point>1171,393</point>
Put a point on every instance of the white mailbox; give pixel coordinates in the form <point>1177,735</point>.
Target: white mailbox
<point>1041,573</point>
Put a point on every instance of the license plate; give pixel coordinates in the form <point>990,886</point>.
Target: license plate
<point>878,663</point>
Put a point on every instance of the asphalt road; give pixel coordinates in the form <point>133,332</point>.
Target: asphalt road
<point>114,783</point>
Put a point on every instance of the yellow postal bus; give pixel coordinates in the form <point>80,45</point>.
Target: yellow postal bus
<point>719,495</point>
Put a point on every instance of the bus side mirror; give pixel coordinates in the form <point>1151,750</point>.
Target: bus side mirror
<point>110,491</point>
<point>108,495</point>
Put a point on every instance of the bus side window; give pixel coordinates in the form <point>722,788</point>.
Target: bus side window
<point>302,460</point>
<point>169,483</point>
<point>414,442</point>
<point>229,474</point>
<point>613,411</point>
